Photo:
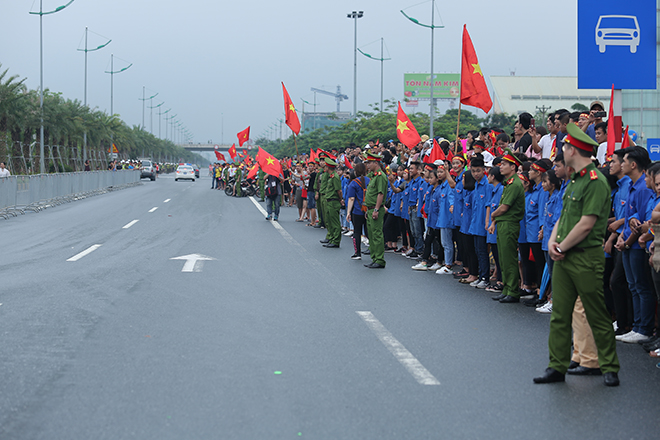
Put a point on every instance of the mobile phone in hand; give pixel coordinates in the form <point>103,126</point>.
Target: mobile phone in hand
<point>533,124</point>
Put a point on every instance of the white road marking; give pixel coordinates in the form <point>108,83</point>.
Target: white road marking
<point>85,252</point>
<point>153,209</point>
<point>130,224</point>
<point>410,362</point>
<point>194,262</point>
<point>166,200</point>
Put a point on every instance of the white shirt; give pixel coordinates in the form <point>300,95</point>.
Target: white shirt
<point>602,152</point>
<point>4,172</point>
<point>546,145</point>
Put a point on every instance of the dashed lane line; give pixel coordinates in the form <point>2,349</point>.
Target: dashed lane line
<point>87,251</point>
<point>153,209</point>
<point>166,200</point>
<point>410,362</point>
<point>130,224</point>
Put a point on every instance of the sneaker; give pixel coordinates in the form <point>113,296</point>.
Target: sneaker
<point>436,266</point>
<point>267,217</point>
<point>275,218</point>
<point>625,335</point>
<point>545,308</point>
<point>389,250</point>
<point>348,234</point>
<point>444,270</point>
<point>615,325</point>
<point>365,241</point>
<point>634,337</point>
<point>420,266</point>
<point>408,252</point>
<point>356,257</point>
<point>474,283</point>
<point>399,251</point>
<point>482,284</point>
<point>413,254</point>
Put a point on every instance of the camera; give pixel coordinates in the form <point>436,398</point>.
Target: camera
<point>600,114</point>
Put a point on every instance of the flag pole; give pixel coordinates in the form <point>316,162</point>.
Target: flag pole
<point>295,141</point>
<point>458,127</point>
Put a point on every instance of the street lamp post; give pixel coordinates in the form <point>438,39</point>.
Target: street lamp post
<point>85,94</point>
<point>381,59</point>
<point>355,15</point>
<point>41,13</point>
<point>152,113</point>
<point>112,73</point>
<point>432,26</point>
<point>143,99</point>
<point>159,118</point>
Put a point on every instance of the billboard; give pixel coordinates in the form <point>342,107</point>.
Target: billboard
<point>617,44</point>
<point>418,85</point>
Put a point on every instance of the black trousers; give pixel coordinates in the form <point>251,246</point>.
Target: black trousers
<point>391,227</point>
<point>621,296</point>
<point>469,254</point>
<point>496,257</point>
<point>359,225</point>
<point>431,242</point>
<point>405,232</point>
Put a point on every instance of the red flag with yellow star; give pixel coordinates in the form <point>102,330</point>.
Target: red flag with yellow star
<point>232,151</point>
<point>405,130</point>
<point>268,163</point>
<point>290,112</point>
<point>243,136</point>
<point>474,91</point>
<point>253,171</point>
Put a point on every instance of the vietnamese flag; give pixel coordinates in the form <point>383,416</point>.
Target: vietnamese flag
<point>625,143</point>
<point>312,156</point>
<point>245,153</point>
<point>450,156</point>
<point>474,91</point>
<point>253,171</point>
<point>220,156</point>
<point>243,136</point>
<point>232,151</point>
<point>347,162</point>
<point>611,129</point>
<point>290,112</point>
<point>405,130</point>
<point>268,163</point>
<point>436,152</point>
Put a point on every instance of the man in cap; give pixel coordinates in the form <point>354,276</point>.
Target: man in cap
<point>576,247</point>
<point>374,200</point>
<point>507,217</point>
<point>596,110</point>
<point>334,200</point>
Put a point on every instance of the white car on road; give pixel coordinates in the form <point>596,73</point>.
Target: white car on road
<point>617,30</point>
<point>184,172</point>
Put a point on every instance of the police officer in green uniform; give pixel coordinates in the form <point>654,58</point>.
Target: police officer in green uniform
<point>576,246</point>
<point>507,218</point>
<point>237,182</point>
<point>320,180</point>
<point>334,200</point>
<point>374,199</point>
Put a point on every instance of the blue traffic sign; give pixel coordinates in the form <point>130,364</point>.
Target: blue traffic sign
<point>653,147</point>
<point>617,44</point>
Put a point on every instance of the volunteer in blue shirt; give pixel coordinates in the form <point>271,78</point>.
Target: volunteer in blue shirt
<point>477,228</point>
<point>415,224</point>
<point>470,261</point>
<point>495,178</point>
<point>355,194</point>
<point>458,162</point>
<point>534,209</point>
<point>445,220</point>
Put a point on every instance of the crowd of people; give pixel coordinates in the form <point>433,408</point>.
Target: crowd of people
<point>541,215</point>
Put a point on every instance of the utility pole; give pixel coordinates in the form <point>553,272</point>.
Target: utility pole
<point>543,110</point>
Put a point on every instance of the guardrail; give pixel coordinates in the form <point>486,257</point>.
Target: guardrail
<point>40,191</point>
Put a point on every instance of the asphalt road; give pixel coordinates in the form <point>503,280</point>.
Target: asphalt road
<point>277,338</point>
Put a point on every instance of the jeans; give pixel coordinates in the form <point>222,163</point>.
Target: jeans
<point>342,218</point>
<point>416,229</point>
<point>635,264</point>
<point>481,247</point>
<point>269,205</point>
<point>447,240</point>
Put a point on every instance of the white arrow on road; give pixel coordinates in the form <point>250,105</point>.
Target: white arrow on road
<point>193,262</point>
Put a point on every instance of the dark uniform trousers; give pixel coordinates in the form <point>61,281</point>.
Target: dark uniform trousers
<point>580,271</point>
<point>507,242</point>
<point>332,223</point>
<point>376,239</point>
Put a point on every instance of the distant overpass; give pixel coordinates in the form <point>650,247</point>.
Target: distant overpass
<point>211,147</point>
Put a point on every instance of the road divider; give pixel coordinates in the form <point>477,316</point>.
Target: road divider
<point>410,362</point>
<point>87,251</point>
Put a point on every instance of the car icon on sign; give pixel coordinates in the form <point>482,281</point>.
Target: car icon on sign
<point>654,148</point>
<point>617,30</point>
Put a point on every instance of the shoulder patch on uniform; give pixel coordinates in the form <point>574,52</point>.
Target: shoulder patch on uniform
<point>593,175</point>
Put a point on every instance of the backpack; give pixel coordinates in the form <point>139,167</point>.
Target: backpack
<point>271,187</point>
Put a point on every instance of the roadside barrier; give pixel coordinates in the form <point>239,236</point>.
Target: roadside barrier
<point>19,194</point>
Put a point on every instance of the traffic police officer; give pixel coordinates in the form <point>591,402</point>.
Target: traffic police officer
<point>237,182</point>
<point>333,202</point>
<point>576,246</point>
<point>374,200</point>
<point>507,218</point>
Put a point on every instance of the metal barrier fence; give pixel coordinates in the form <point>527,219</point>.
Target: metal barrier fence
<point>39,191</point>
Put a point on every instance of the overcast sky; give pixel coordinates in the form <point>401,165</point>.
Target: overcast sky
<point>215,60</point>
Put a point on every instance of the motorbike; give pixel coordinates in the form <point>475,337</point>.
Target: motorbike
<point>248,188</point>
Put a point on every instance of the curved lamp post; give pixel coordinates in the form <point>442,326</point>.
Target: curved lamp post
<point>354,15</point>
<point>432,26</point>
<point>143,99</point>
<point>381,59</point>
<point>41,13</point>
<point>151,130</point>
<point>112,73</point>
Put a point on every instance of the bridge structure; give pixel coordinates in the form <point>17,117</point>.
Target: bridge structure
<point>207,149</point>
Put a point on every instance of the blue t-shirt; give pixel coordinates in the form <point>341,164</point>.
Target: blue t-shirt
<point>446,200</point>
<point>522,238</point>
<point>432,206</point>
<point>494,203</point>
<point>404,200</point>
<point>414,190</point>
<point>354,190</point>
<point>534,207</point>
<point>620,198</point>
<point>480,197</point>
<point>551,214</point>
<point>466,215</point>
<point>636,207</point>
<point>458,200</point>
<point>395,207</point>
<point>421,196</point>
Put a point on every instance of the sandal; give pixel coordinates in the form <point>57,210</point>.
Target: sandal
<point>655,353</point>
<point>494,288</point>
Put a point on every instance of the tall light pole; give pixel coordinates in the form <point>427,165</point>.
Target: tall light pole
<point>41,13</point>
<point>151,128</point>
<point>85,94</point>
<point>432,26</point>
<point>354,15</point>
<point>381,59</point>
<point>159,118</point>
<point>112,73</point>
<point>143,99</point>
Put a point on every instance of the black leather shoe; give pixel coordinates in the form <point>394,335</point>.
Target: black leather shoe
<point>374,266</point>
<point>611,379</point>
<point>584,371</point>
<point>508,299</point>
<point>550,376</point>
<point>331,245</point>
<point>573,365</point>
<point>324,241</point>
<point>498,297</point>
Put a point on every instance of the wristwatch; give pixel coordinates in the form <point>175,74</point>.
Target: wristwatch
<point>626,246</point>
